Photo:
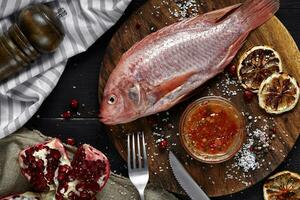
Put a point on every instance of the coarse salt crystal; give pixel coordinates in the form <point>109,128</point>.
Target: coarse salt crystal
<point>247,159</point>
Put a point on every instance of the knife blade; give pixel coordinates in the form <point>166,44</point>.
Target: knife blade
<point>192,189</point>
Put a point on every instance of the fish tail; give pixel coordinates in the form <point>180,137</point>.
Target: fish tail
<point>254,13</point>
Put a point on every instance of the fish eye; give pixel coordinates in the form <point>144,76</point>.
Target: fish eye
<point>112,99</point>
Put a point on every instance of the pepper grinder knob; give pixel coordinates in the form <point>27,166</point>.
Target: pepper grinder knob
<point>42,27</point>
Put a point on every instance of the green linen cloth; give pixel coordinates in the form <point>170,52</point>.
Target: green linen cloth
<point>12,181</point>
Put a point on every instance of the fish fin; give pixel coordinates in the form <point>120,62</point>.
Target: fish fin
<point>168,86</point>
<point>211,17</point>
<point>254,13</point>
<point>218,15</point>
<point>236,46</point>
<point>232,51</point>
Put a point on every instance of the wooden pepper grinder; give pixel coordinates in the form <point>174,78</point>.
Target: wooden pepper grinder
<point>37,31</point>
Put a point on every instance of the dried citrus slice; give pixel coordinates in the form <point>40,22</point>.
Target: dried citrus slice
<point>278,93</point>
<point>256,65</point>
<point>282,186</point>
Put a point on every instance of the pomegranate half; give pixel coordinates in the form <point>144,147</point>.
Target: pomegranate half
<point>39,163</point>
<point>47,167</point>
<point>87,175</point>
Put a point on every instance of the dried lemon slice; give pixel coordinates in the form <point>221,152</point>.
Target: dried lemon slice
<point>282,186</point>
<point>256,65</point>
<point>278,93</point>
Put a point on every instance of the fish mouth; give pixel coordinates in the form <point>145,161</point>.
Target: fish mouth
<point>114,119</point>
<point>111,121</point>
<point>108,120</point>
<point>105,120</point>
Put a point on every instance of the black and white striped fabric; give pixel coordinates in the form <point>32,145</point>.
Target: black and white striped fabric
<point>86,20</point>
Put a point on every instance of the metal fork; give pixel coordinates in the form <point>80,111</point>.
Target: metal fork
<point>138,171</point>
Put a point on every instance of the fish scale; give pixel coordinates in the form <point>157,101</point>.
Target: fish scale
<point>157,72</point>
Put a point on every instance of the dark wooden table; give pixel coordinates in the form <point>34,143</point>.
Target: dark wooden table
<point>80,81</point>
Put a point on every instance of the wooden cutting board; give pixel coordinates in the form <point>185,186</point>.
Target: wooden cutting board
<point>217,179</point>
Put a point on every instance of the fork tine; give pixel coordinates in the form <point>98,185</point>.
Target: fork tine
<point>138,175</point>
<point>139,150</point>
<point>144,152</point>
<point>128,152</point>
<point>133,152</point>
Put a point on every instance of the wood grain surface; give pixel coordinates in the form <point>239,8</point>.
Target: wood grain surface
<point>210,177</point>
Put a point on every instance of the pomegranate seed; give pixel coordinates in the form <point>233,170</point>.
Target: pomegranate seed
<point>55,154</point>
<point>39,147</point>
<point>71,141</point>
<point>57,197</point>
<point>71,195</point>
<point>163,144</point>
<point>60,177</point>
<point>64,168</point>
<point>29,152</point>
<point>67,114</point>
<point>80,186</point>
<point>137,25</point>
<point>31,159</point>
<point>74,104</point>
<point>40,164</point>
<point>248,95</point>
<point>232,70</point>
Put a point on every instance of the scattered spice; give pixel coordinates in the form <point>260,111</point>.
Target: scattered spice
<point>246,158</point>
<point>74,110</point>
<point>184,8</point>
<point>152,29</point>
<point>251,156</point>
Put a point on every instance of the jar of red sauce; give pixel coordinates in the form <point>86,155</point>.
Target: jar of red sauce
<point>212,130</point>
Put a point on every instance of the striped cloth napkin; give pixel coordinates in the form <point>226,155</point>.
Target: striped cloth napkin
<point>86,20</point>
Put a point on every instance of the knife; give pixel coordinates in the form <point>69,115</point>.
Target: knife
<point>192,189</point>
